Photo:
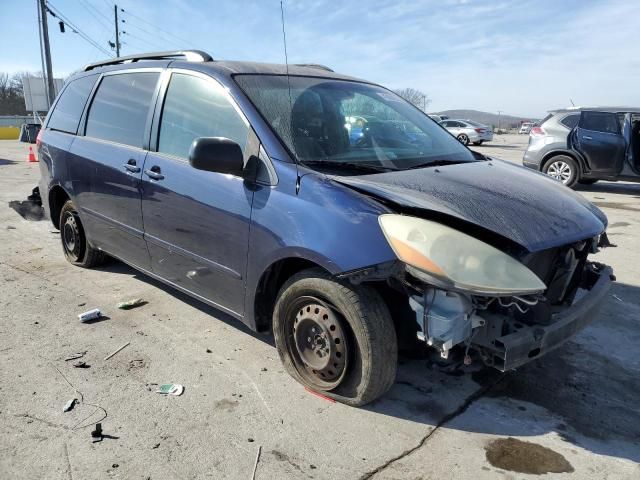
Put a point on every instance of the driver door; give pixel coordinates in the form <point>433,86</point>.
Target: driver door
<point>599,138</point>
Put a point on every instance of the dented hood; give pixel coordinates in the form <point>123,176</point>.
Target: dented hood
<point>526,207</point>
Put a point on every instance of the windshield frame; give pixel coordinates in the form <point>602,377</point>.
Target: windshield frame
<point>293,155</point>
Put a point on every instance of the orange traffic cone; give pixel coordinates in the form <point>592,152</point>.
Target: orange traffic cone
<point>32,157</point>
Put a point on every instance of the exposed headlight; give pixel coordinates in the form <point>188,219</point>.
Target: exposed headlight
<point>454,259</point>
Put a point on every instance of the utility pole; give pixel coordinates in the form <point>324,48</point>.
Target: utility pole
<point>115,13</point>
<point>51,90</point>
<point>499,116</point>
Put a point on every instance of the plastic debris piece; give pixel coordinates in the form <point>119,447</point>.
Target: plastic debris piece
<point>170,389</point>
<point>113,353</point>
<point>129,304</point>
<point>75,356</point>
<point>81,364</point>
<point>90,315</point>
<point>97,433</point>
<point>319,395</point>
<point>69,405</point>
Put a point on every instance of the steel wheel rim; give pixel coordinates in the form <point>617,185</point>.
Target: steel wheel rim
<point>560,171</point>
<point>318,343</point>
<point>71,238</point>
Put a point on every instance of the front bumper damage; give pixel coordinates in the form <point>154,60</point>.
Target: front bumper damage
<point>528,342</point>
<point>508,332</point>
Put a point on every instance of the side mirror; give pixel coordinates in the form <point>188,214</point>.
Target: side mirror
<point>216,154</point>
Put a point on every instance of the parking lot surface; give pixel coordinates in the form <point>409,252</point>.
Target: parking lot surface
<point>571,414</point>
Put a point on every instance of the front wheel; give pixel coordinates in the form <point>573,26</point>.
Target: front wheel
<point>463,139</point>
<point>335,338</point>
<point>75,246</point>
<point>562,168</point>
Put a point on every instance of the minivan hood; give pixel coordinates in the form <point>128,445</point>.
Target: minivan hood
<point>528,208</point>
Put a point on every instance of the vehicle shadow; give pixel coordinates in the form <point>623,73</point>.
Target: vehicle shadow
<point>116,266</point>
<point>622,188</point>
<point>4,161</point>
<point>586,391</point>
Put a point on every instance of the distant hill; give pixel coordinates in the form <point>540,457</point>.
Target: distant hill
<point>486,118</point>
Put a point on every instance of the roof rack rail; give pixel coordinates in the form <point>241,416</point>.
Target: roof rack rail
<point>314,65</point>
<point>189,55</point>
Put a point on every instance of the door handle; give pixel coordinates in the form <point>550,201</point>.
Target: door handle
<point>585,137</point>
<point>131,166</point>
<point>154,173</point>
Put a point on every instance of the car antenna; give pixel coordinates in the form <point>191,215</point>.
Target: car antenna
<point>286,62</point>
<point>286,58</point>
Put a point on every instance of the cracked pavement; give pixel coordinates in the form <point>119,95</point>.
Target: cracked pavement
<point>580,401</point>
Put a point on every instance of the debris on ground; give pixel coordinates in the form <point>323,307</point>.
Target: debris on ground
<point>170,389</point>
<point>75,356</point>
<point>97,433</point>
<point>133,303</point>
<point>209,350</point>
<point>90,315</point>
<point>81,364</point>
<point>255,465</point>
<point>113,353</point>
<point>525,457</point>
<point>69,405</point>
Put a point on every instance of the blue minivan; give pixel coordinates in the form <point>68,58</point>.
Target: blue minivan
<point>242,185</point>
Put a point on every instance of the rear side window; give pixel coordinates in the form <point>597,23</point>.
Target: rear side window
<point>600,122</point>
<point>195,107</point>
<point>570,121</point>
<point>67,112</point>
<point>120,107</point>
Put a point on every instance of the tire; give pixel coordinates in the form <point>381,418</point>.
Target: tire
<point>463,139</point>
<point>563,168</point>
<point>478,143</point>
<point>587,181</point>
<point>75,246</point>
<point>354,354</point>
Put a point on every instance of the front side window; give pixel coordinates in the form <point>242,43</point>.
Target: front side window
<point>600,122</point>
<point>120,107</point>
<point>343,124</point>
<point>195,107</point>
<point>67,112</point>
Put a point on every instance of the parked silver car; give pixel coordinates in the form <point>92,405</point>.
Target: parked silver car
<point>468,131</point>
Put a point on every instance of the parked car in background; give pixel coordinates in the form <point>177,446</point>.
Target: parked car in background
<point>468,131</point>
<point>584,145</point>
<point>437,118</point>
<point>239,184</point>
<point>525,128</point>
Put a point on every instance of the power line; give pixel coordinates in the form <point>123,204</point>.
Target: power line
<point>100,21</point>
<point>152,45</point>
<point>56,13</point>
<point>182,40</point>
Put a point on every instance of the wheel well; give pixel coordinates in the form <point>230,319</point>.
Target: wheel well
<point>547,158</point>
<point>269,285</point>
<point>57,198</point>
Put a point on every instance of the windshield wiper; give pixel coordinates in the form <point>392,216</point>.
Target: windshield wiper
<point>349,165</point>
<point>437,163</point>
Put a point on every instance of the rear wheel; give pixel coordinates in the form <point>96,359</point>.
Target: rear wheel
<point>74,242</point>
<point>463,139</point>
<point>335,338</point>
<point>562,168</point>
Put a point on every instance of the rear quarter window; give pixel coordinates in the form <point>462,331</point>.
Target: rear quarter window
<point>570,121</point>
<point>66,114</point>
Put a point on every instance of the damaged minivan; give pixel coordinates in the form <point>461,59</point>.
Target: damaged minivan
<point>322,208</point>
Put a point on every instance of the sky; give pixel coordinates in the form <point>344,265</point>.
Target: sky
<point>520,57</point>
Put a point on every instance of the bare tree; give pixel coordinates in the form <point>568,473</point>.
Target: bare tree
<point>418,98</point>
<point>11,95</point>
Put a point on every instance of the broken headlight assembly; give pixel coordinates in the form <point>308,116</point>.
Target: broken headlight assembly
<point>449,259</point>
